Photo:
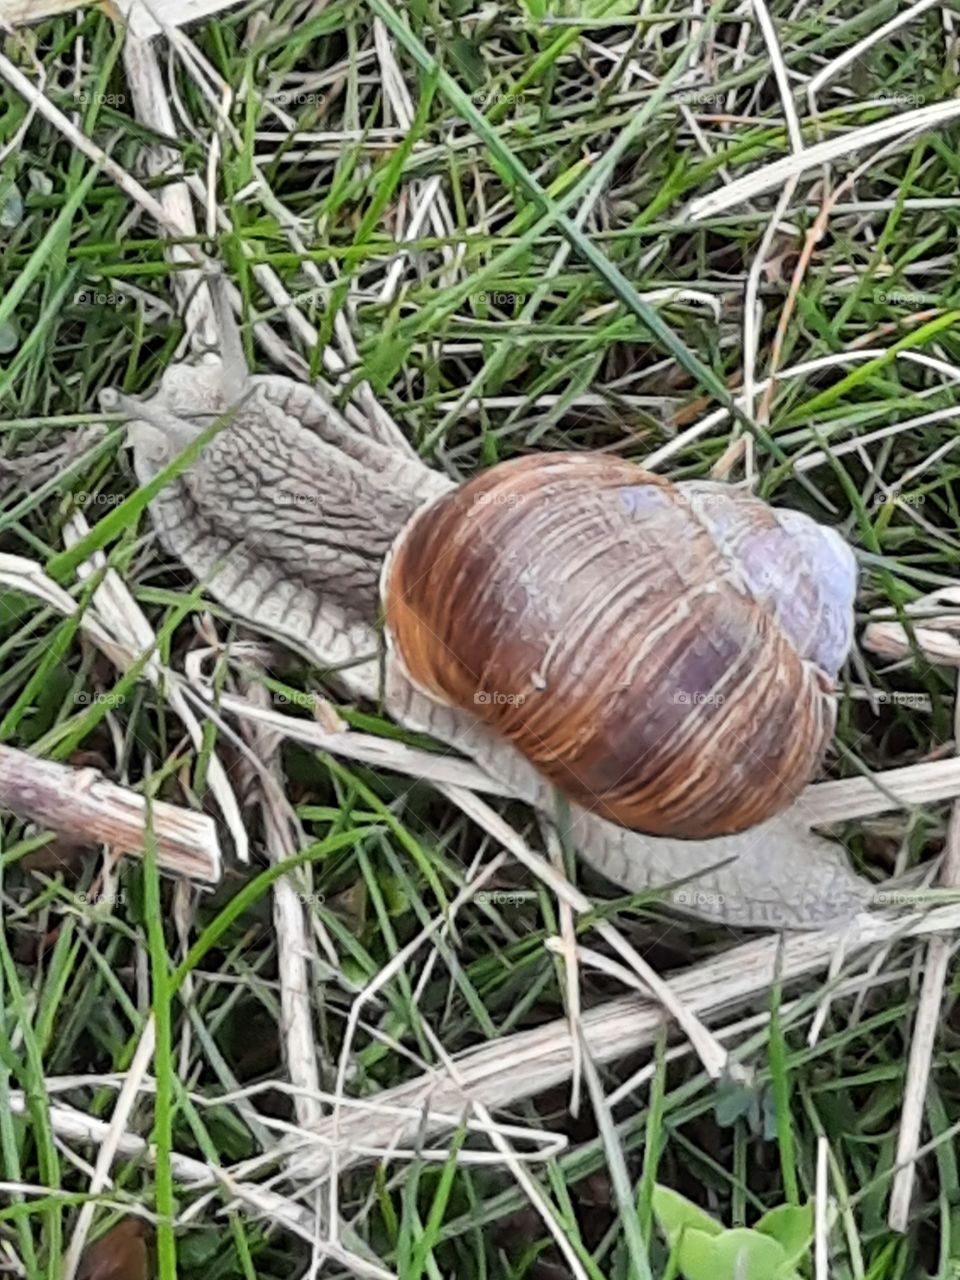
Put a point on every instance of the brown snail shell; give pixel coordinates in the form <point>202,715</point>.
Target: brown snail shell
<point>664,654</point>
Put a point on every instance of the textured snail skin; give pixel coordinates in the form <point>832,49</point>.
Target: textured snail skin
<point>663,654</point>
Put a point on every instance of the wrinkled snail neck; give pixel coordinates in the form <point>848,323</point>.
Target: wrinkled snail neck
<point>288,513</point>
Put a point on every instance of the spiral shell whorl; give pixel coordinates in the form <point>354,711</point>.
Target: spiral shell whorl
<point>626,635</point>
<point>801,570</point>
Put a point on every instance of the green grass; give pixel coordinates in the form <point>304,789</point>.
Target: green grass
<point>565,166</point>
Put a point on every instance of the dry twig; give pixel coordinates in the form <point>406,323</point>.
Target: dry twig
<point>85,805</point>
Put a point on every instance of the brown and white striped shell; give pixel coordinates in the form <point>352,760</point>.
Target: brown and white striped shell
<point>664,654</point>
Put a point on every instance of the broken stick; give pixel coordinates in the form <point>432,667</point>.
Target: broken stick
<point>83,804</point>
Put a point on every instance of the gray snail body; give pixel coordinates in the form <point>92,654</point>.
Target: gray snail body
<point>288,517</point>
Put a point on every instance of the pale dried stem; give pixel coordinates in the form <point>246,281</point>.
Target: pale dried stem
<point>109,1147</point>
<point>144,16</point>
<point>939,951</point>
<point>83,804</point>
<point>295,949</point>
<point>571,969</point>
<point>781,74</point>
<point>751,332</point>
<point>152,107</point>
<point>771,176</point>
<point>709,422</point>
<point>128,625</point>
<point>821,1250</point>
<point>859,444</point>
<point>332,1126</point>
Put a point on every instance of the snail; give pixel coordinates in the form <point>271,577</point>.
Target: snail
<point>665,654</point>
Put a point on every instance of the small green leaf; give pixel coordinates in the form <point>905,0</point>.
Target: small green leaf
<point>40,182</point>
<point>199,1248</point>
<point>385,361</point>
<point>675,1213</point>
<point>11,207</point>
<point>791,1225</point>
<point>740,1254</point>
<point>731,1102</point>
<point>469,63</point>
